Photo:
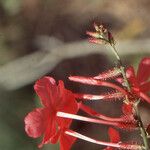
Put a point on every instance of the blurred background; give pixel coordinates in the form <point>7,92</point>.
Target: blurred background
<point>47,37</point>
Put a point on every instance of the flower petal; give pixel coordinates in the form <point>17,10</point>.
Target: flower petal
<point>67,104</point>
<point>46,89</point>
<point>127,109</point>
<point>131,76</point>
<point>114,135</point>
<point>66,141</point>
<point>55,137</point>
<point>49,132</point>
<point>35,122</point>
<point>144,70</point>
<point>145,87</point>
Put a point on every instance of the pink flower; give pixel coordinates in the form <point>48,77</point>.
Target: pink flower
<point>44,121</point>
<point>139,83</point>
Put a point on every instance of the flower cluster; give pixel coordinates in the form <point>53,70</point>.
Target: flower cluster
<point>140,85</point>
<point>60,106</point>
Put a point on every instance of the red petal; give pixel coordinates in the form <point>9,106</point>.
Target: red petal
<point>66,141</point>
<point>127,109</point>
<point>114,135</point>
<point>55,137</point>
<point>131,76</point>
<point>67,104</point>
<point>144,70</point>
<point>35,122</point>
<point>47,91</point>
<point>49,132</point>
<point>145,87</point>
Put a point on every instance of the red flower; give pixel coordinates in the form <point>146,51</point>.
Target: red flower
<point>43,121</point>
<point>139,83</point>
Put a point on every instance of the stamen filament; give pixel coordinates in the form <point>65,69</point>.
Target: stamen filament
<point>86,119</point>
<point>123,125</point>
<point>116,145</point>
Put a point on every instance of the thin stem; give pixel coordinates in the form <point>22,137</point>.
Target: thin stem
<point>116,53</point>
<point>141,126</point>
<point>122,69</point>
<point>137,114</point>
<point>118,145</point>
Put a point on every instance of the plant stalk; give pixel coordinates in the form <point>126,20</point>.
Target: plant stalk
<point>137,114</point>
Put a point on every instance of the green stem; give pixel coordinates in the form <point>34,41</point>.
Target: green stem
<point>141,126</point>
<point>116,53</point>
<point>121,66</point>
<point>137,114</point>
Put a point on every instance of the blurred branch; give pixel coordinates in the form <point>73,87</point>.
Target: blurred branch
<point>29,68</point>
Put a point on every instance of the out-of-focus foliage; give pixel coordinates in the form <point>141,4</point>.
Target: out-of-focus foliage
<point>11,6</point>
<point>45,32</point>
